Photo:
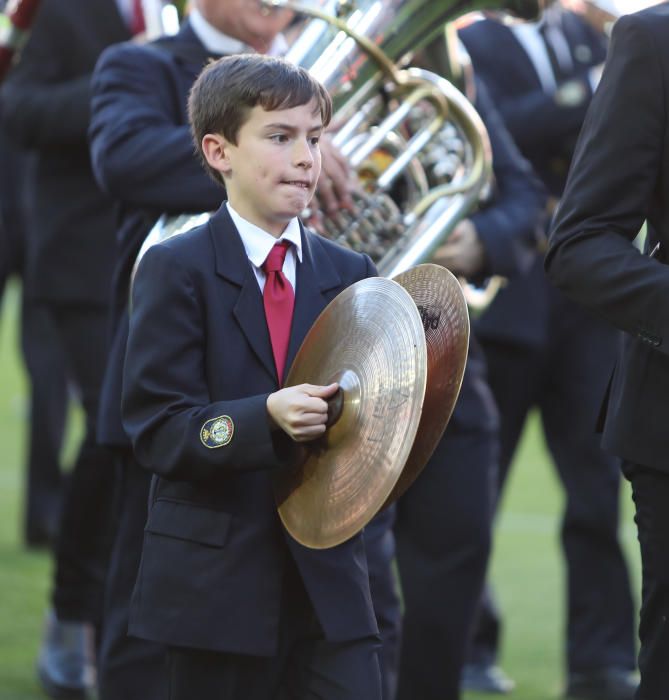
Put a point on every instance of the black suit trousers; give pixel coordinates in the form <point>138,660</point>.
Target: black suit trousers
<point>380,548</point>
<point>650,490</point>
<point>443,540</point>
<point>45,362</point>
<point>84,541</point>
<point>565,379</point>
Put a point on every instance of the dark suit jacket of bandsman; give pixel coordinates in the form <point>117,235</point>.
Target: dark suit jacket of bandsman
<point>546,134</point>
<point>45,106</point>
<point>620,176</point>
<point>143,155</point>
<point>509,226</point>
<point>198,348</point>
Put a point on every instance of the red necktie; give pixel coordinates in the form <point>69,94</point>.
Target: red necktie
<point>279,300</point>
<point>137,25</point>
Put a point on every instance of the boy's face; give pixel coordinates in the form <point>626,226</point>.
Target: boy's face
<point>271,173</point>
<point>247,20</point>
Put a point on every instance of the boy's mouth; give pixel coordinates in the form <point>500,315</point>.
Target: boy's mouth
<point>304,184</point>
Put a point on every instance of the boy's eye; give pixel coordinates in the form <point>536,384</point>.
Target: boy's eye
<point>279,138</point>
<point>315,140</point>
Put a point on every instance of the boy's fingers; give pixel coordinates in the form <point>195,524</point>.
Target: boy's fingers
<point>313,405</point>
<point>310,433</point>
<point>320,389</point>
<point>310,420</point>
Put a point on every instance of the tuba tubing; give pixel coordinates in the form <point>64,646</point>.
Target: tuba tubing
<point>359,50</point>
<point>437,213</point>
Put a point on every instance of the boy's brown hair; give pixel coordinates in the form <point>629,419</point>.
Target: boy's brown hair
<point>229,88</point>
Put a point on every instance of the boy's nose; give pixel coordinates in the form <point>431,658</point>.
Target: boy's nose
<point>303,155</point>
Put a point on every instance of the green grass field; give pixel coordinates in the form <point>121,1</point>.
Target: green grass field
<point>526,568</point>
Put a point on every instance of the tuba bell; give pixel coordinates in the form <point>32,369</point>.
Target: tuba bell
<point>419,148</point>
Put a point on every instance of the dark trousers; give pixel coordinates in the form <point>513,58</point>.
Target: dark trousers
<point>566,379</point>
<point>380,548</point>
<point>45,364</point>
<point>128,668</point>
<point>650,490</point>
<point>306,667</point>
<point>43,358</point>
<point>443,541</point>
<point>84,541</point>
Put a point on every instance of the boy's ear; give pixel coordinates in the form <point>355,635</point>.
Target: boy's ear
<point>216,152</point>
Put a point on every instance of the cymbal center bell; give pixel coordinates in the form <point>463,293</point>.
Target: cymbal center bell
<point>345,399</point>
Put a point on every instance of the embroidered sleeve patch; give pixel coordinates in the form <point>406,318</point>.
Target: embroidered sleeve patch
<point>217,432</point>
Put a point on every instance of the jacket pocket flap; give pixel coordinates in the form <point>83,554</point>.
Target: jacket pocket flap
<point>187,521</point>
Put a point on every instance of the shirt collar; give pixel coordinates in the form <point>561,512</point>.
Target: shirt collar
<point>258,243</point>
<point>124,8</point>
<point>221,44</point>
<point>550,17</point>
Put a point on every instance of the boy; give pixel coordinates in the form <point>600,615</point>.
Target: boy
<point>245,610</point>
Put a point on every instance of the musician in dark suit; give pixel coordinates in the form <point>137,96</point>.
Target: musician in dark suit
<point>545,352</point>
<point>619,179</point>
<point>244,609</point>
<point>444,520</point>
<point>45,104</point>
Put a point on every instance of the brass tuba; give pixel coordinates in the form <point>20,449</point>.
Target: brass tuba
<point>419,147</point>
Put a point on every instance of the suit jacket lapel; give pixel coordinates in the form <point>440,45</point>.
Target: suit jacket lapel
<point>233,265</point>
<point>315,276</point>
<point>523,63</point>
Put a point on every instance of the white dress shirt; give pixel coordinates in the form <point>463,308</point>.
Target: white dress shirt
<point>258,243</point>
<point>223,45</point>
<point>529,36</point>
<point>125,9</point>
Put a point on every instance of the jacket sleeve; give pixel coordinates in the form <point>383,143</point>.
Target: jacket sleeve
<point>43,104</point>
<point>142,153</point>
<point>166,401</point>
<point>510,227</point>
<point>615,178</point>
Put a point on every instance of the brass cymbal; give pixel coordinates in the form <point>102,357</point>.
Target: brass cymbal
<point>443,309</point>
<point>369,339</point>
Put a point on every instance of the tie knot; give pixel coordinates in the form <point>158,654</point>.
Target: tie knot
<point>274,261</point>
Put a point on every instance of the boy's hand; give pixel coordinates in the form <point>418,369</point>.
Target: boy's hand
<point>301,411</point>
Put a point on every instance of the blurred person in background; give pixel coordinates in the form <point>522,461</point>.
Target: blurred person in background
<point>41,353</point>
<point>444,520</point>
<point>619,179</point>
<point>544,351</point>
<point>45,107</point>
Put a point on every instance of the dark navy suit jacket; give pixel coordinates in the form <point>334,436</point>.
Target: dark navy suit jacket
<point>508,227</point>
<point>546,133</point>
<point>215,551</point>
<point>621,177</point>
<point>143,155</point>
<point>45,107</point>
